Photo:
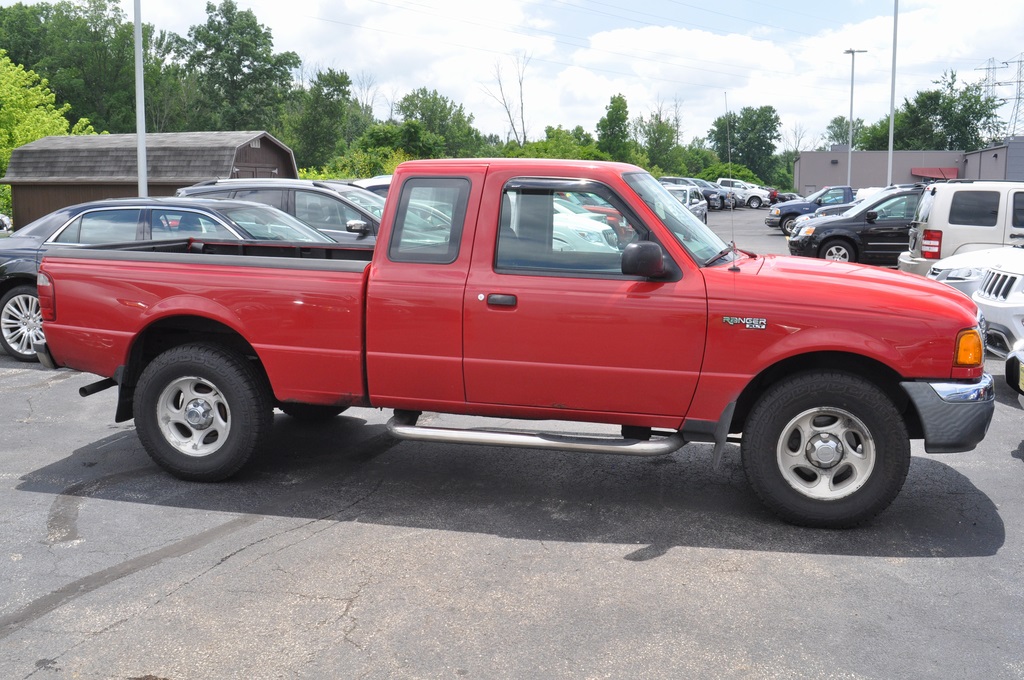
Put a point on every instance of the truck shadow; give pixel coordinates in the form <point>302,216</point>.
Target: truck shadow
<point>347,471</point>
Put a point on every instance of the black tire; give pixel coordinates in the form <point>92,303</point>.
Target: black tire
<point>201,411</point>
<point>826,450</point>
<point>787,224</point>
<point>311,413</point>
<point>838,250</point>
<point>754,202</point>
<point>21,322</point>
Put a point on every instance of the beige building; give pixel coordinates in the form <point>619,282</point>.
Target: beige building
<point>816,169</point>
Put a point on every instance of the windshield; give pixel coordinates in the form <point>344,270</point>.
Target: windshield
<point>702,243</point>
<point>270,224</point>
<point>369,201</point>
<point>816,195</point>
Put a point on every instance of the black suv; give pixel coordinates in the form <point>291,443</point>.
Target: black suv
<point>347,213</point>
<point>874,232</point>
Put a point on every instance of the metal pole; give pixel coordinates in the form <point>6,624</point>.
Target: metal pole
<point>849,149</point>
<point>892,93</point>
<point>140,103</point>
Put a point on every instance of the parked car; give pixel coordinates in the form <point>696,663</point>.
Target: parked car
<point>874,232</point>
<point>961,215</point>
<point>965,271</point>
<point>692,198</point>
<point>378,184</point>
<point>118,221</point>
<point>789,196</point>
<point>747,194</point>
<point>784,215</point>
<point>1000,299</point>
<point>345,212</point>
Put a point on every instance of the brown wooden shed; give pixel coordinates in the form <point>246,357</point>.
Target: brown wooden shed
<point>54,172</point>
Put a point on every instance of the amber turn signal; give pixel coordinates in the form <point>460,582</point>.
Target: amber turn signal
<point>970,351</point>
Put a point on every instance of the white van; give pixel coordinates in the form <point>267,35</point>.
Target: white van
<point>963,215</point>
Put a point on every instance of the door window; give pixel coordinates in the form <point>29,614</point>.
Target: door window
<point>102,226</point>
<point>322,211</point>
<point>271,197</point>
<point>899,208</point>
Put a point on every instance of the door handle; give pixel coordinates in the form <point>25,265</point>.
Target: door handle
<point>1016,235</point>
<point>501,300</point>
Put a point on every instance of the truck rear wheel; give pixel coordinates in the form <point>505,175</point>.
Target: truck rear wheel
<point>201,411</point>
<point>826,450</point>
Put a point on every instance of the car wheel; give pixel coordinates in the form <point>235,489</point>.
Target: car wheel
<point>838,250</point>
<point>787,224</point>
<point>21,322</point>
<point>825,450</point>
<point>754,202</point>
<point>201,411</point>
<point>311,413</point>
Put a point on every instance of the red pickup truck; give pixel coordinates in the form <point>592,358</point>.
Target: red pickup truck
<point>827,369</point>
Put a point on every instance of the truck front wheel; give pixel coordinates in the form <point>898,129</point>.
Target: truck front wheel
<point>787,224</point>
<point>825,450</point>
<point>201,411</point>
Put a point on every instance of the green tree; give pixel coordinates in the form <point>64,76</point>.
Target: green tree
<point>954,117</point>
<point>613,131</point>
<point>410,136</point>
<point>23,32</point>
<point>444,118</point>
<point>838,132</point>
<point>697,157</point>
<point>658,136</point>
<point>244,82</point>
<point>28,111</point>
<point>748,138</point>
<point>318,136</point>
<point>560,143</point>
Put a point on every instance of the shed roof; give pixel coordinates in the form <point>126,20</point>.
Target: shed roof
<point>170,156</point>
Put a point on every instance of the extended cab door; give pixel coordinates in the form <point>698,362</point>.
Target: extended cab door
<point>550,322</point>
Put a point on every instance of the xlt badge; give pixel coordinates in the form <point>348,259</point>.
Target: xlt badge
<point>748,322</point>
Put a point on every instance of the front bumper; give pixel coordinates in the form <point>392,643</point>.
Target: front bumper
<point>773,221</point>
<point>955,415</point>
<point>1014,372</point>
<point>801,245</point>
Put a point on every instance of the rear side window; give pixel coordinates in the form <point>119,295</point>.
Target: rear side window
<point>429,220</point>
<point>102,226</point>
<point>1018,209</point>
<point>271,197</point>
<point>974,208</point>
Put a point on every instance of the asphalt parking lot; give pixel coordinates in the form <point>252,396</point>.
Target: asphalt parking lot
<point>343,553</point>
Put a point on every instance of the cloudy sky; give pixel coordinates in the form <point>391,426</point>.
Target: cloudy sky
<point>701,55</point>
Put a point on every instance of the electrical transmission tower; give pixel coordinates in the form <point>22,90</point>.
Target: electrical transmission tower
<point>1016,122</point>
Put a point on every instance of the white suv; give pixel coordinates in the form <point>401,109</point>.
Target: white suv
<point>1001,300</point>
<point>963,215</point>
<point>748,194</point>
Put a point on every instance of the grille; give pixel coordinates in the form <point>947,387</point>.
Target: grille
<point>998,285</point>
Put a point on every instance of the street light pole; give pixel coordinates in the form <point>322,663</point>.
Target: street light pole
<point>849,149</point>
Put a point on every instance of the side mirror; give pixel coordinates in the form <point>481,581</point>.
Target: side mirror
<point>818,201</point>
<point>357,227</point>
<point>645,259</point>
<point>871,215</point>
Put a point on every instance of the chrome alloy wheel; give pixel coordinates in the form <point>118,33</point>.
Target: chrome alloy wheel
<point>826,453</point>
<point>21,323</point>
<point>193,416</point>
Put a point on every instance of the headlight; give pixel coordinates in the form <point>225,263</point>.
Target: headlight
<point>775,211</point>
<point>589,236</point>
<point>805,231</point>
<point>965,273</point>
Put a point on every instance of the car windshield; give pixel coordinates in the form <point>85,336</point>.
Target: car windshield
<point>702,243</point>
<point>367,200</point>
<point>269,224</point>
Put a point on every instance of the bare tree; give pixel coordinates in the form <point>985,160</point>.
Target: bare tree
<point>513,103</point>
<point>797,139</point>
<point>366,90</point>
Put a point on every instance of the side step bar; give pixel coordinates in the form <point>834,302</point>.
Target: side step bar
<point>400,427</point>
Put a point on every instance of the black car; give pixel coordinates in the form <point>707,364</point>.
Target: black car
<point>875,231</point>
<point>119,221</point>
<point>347,213</point>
